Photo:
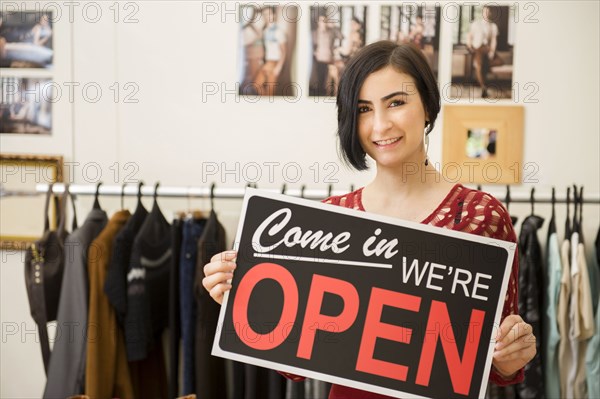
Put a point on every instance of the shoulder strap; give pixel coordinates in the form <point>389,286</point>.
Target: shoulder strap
<point>74,221</point>
<point>63,213</point>
<point>46,219</point>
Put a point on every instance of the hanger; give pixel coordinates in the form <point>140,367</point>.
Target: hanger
<point>123,196</point>
<point>329,190</point>
<point>195,214</point>
<point>552,223</point>
<point>568,230</point>
<point>479,187</point>
<point>532,199</point>
<point>155,207</point>
<point>580,221</point>
<point>508,198</point>
<point>553,201</point>
<point>302,191</point>
<point>283,188</point>
<point>351,188</point>
<point>575,209</point>
<point>212,197</point>
<point>96,202</point>
<point>139,195</point>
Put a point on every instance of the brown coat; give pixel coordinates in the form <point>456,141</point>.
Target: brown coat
<point>107,372</point>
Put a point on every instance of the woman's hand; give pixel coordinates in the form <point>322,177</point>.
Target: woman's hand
<point>218,272</point>
<point>515,346</point>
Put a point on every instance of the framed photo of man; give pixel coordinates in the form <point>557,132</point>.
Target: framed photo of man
<point>267,46</point>
<point>483,50</point>
<point>337,32</point>
<point>416,24</point>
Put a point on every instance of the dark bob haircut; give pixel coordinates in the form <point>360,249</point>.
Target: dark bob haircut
<point>405,58</point>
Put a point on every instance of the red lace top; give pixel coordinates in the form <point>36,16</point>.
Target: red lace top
<point>466,210</point>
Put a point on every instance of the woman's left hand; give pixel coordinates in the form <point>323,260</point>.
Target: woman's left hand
<point>515,346</point>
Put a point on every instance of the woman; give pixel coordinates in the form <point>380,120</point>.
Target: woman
<point>254,50</point>
<point>388,102</point>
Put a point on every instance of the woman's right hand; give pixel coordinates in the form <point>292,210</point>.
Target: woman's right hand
<point>217,274</point>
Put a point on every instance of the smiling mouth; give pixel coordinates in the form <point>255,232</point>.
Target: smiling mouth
<point>387,142</point>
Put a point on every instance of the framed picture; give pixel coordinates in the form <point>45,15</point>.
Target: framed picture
<point>483,144</point>
<point>419,25</point>
<point>26,105</point>
<point>337,32</point>
<point>22,209</point>
<point>26,39</point>
<point>267,46</point>
<point>483,50</point>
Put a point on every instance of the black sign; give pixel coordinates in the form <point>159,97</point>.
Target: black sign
<point>372,302</point>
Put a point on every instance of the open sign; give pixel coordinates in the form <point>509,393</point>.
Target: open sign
<point>363,300</point>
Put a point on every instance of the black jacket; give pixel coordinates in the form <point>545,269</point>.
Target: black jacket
<point>530,302</point>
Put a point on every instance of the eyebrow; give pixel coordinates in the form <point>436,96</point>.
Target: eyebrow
<point>386,97</point>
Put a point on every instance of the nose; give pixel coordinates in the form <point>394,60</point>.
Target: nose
<point>381,122</point>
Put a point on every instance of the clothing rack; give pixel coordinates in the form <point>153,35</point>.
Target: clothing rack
<point>237,193</point>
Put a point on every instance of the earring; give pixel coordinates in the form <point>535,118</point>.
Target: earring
<point>426,144</point>
<point>426,149</point>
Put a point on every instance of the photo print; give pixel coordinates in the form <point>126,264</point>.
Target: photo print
<point>26,106</point>
<point>26,39</point>
<point>483,50</point>
<point>419,25</point>
<point>481,143</point>
<point>337,32</point>
<point>267,47</point>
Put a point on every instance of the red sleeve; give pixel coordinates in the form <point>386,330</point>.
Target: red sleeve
<point>506,232</point>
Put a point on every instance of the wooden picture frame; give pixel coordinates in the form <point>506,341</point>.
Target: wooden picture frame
<point>22,209</point>
<point>483,144</point>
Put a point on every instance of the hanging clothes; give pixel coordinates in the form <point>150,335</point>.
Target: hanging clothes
<point>107,373</point>
<point>259,382</point>
<point>147,280</point>
<point>565,357</point>
<point>174,316</point>
<point>66,373</point>
<point>148,300</point>
<point>581,318</point>
<point>593,349</point>
<point>192,231</point>
<point>551,334</point>
<point>294,390</point>
<point>210,371</point>
<point>115,286</point>
<point>530,301</point>
<point>149,376</point>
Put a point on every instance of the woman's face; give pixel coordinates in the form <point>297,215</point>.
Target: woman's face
<point>391,118</point>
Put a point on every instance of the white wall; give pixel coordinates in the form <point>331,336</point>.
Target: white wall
<point>170,134</point>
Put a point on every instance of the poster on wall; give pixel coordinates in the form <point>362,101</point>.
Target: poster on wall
<point>26,39</point>
<point>483,50</point>
<point>267,49</point>
<point>337,32</point>
<point>26,105</point>
<point>416,24</point>
<point>362,300</point>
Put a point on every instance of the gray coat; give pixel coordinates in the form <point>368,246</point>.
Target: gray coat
<point>66,372</point>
